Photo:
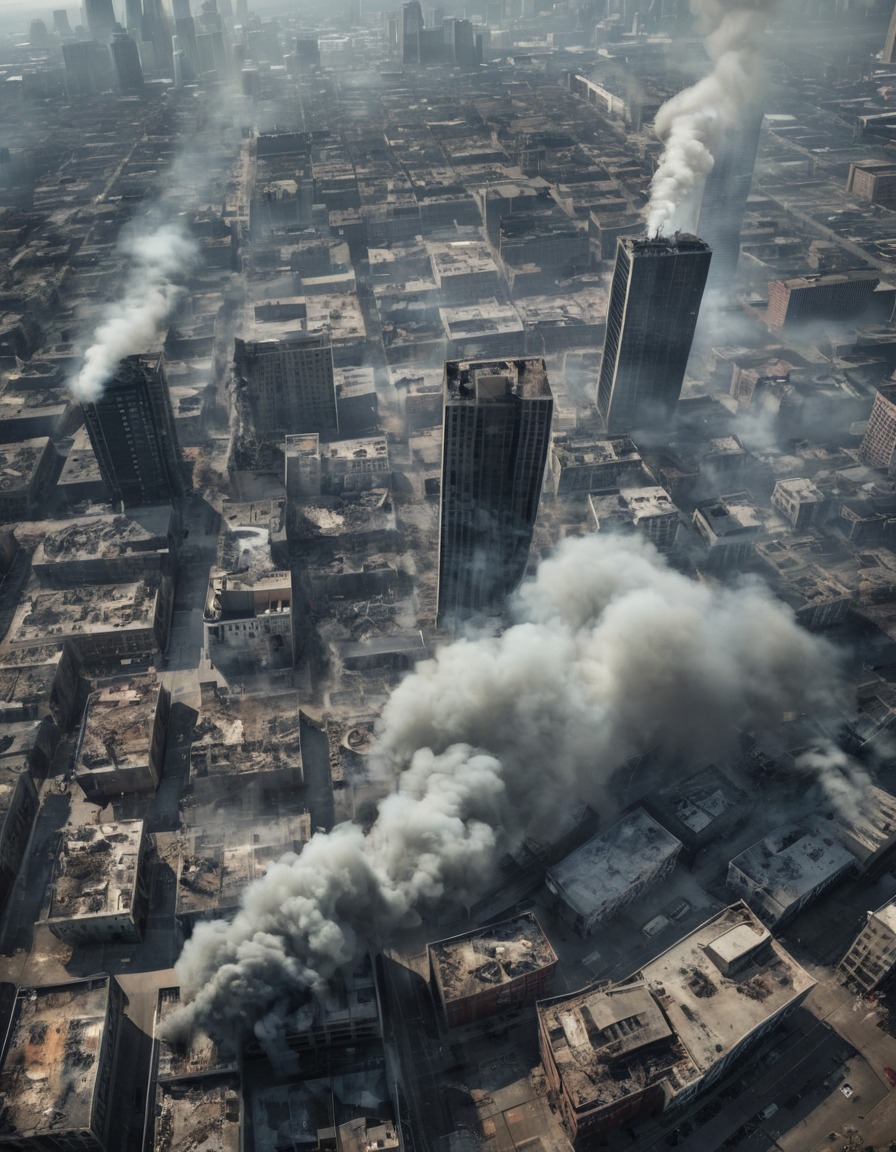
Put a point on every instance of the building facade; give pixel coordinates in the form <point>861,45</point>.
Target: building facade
<point>131,427</point>
<point>872,955</point>
<point>290,384</point>
<point>495,439</point>
<point>654,302</point>
<point>879,442</point>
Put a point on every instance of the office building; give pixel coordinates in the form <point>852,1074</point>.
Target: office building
<point>495,437</point>
<point>100,17</point>
<point>724,199</point>
<point>619,1053</point>
<point>131,428</point>
<point>879,442</point>
<point>872,955</point>
<point>410,25</point>
<point>836,297</point>
<point>126,59</point>
<point>133,15</point>
<point>289,384</point>
<point>654,302</point>
<point>88,68</point>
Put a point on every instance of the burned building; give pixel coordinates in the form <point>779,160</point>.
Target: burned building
<point>788,868</point>
<point>837,296</point>
<point>121,745</point>
<point>611,870</point>
<point>872,955</point>
<point>594,463</point>
<point>879,442</point>
<point>648,511</point>
<point>491,970</point>
<point>643,1046</point>
<point>699,809</point>
<point>654,303</point>
<point>290,383</point>
<point>59,1067</point>
<point>132,430</point>
<point>496,435</point>
<point>730,528</point>
<point>99,889</point>
<point>27,470</point>
<point>18,810</point>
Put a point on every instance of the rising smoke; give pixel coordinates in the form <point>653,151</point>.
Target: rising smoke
<point>155,258</point>
<point>694,122</point>
<point>611,653</point>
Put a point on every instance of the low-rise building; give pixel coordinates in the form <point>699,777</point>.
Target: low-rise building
<point>355,465</point>
<point>699,809</point>
<point>614,868</point>
<point>634,1049</point>
<point>594,464</point>
<point>799,502</point>
<point>59,1067</point>
<point>99,890</point>
<point>729,527</point>
<point>491,970</point>
<point>787,869</point>
<point>121,746</point>
<point>879,442</point>
<point>248,614</point>
<point>836,296</point>
<point>866,827</point>
<point>648,511</point>
<point>26,471</point>
<point>872,955</point>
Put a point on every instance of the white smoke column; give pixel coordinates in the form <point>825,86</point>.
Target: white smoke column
<point>692,123</point>
<point>155,262</point>
<point>612,653</point>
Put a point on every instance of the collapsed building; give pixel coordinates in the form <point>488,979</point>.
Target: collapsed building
<point>121,745</point>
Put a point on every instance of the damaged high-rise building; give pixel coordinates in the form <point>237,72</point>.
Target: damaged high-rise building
<point>654,303</point>
<point>495,439</point>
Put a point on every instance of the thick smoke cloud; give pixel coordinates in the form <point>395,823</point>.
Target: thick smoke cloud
<point>692,124</point>
<point>611,653</point>
<point>155,260</point>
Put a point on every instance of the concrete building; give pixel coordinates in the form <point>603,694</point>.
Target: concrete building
<point>594,463</point>
<point>867,829</point>
<point>59,1067</point>
<point>238,737</point>
<point>874,181</point>
<point>495,440</point>
<point>289,383</point>
<point>889,52</point>
<point>126,60</point>
<point>489,328</point>
<point>491,970</point>
<point>141,544</point>
<point>654,302</point>
<point>355,465</point>
<point>131,427</point>
<point>249,615</point>
<point>729,528</point>
<point>98,893</point>
<point>872,955</point>
<point>879,442</point>
<point>648,511</point>
<point>637,1048</point>
<point>788,868</point>
<point>799,501</point>
<point>838,296</point>
<point>464,270</point>
<point>27,470</point>
<point>612,870</point>
<point>699,809</point>
<point>121,746</point>
<point>104,623</point>
<point>18,809</point>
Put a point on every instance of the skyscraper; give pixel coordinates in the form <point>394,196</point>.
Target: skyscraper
<point>724,199</point>
<point>126,59</point>
<point>131,428</point>
<point>290,383</point>
<point>100,18</point>
<point>496,430</point>
<point>410,25</point>
<point>889,54</point>
<point>654,302</point>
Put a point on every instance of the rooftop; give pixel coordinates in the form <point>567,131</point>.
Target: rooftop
<point>482,960</point>
<point>195,1058</point>
<point>46,616</point>
<point>238,734</point>
<point>199,1115</point>
<point>118,724</point>
<point>18,464</point>
<point>140,530</point>
<point>597,874</point>
<point>492,381</point>
<point>96,870</point>
<point>50,1069</point>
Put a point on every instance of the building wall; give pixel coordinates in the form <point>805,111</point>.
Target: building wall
<point>15,828</point>
<point>872,955</point>
<point>290,385</point>
<point>797,303</point>
<point>525,989</point>
<point>879,442</point>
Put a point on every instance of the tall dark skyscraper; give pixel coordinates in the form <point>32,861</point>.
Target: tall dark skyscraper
<point>496,431</point>
<point>100,17</point>
<point>126,59</point>
<point>654,302</point>
<point>133,15</point>
<point>724,200</point>
<point>410,25</point>
<point>889,55</point>
<point>131,428</point>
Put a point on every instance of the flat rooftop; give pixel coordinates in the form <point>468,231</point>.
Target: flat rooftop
<point>198,1056</point>
<point>118,724</point>
<point>49,617</point>
<point>700,800</point>
<point>18,464</point>
<point>50,1069</point>
<point>201,1115</point>
<point>483,960</point>
<point>581,452</point>
<point>867,825</point>
<point>466,321</point>
<point>493,381</point>
<point>675,1018</point>
<point>96,870</point>
<point>792,861</point>
<point>96,537</point>
<point>597,874</point>
<point>240,734</point>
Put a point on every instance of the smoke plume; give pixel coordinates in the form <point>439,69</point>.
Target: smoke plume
<point>692,124</point>
<point>154,260</point>
<point>611,653</point>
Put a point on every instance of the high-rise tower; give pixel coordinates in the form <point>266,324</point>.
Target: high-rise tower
<point>889,54</point>
<point>724,199</point>
<point>496,430</point>
<point>131,428</point>
<point>100,19</point>
<point>654,302</point>
<point>126,59</point>
<point>410,25</point>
